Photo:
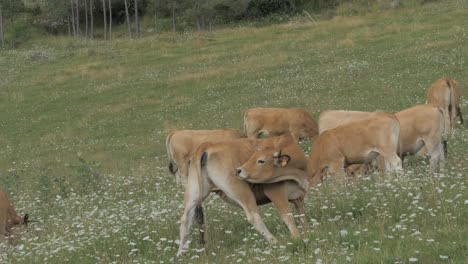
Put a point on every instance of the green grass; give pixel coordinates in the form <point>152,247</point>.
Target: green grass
<point>83,125</point>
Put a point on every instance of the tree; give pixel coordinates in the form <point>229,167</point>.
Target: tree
<point>91,12</point>
<point>73,17</point>
<point>86,17</point>
<point>105,18</point>
<point>173,15</point>
<point>127,15</point>
<point>137,22</point>
<point>2,36</point>
<point>153,7</point>
<point>110,19</point>
<point>78,30</point>
<point>10,9</point>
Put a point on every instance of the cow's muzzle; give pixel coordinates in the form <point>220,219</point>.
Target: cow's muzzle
<point>240,173</point>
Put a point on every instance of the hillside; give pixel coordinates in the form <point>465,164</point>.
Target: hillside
<point>83,125</point>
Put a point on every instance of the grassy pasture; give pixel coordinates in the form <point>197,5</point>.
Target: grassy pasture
<point>83,125</point>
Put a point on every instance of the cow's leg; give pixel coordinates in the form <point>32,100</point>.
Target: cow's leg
<point>251,211</point>
<point>192,205</point>
<point>437,157</point>
<point>296,136</point>
<point>392,163</point>
<point>240,192</point>
<point>300,207</point>
<point>460,115</point>
<point>3,221</point>
<point>336,168</point>
<point>447,118</point>
<point>252,130</point>
<point>278,195</point>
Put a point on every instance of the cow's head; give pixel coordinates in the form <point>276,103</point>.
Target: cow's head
<point>261,165</point>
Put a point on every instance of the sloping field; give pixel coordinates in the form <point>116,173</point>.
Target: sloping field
<point>83,124</point>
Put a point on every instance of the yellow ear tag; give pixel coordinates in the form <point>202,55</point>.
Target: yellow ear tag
<point>283,163</point>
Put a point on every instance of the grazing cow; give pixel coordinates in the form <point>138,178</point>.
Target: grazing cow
<point>180,144</point>
<point>278,121</point>
<point>445,93</point>
<point>333,118</point>
<point>423,130</point>
<point>8,217</point>
<point>358,142</point>
<point>213,168</point>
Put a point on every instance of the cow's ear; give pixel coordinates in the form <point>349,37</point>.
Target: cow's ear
<point>285,160</point>
<point>26,219</point>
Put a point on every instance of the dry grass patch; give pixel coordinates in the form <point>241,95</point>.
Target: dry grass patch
<point>251,63</point>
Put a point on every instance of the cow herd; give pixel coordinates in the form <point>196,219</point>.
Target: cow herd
<point>247,171</point>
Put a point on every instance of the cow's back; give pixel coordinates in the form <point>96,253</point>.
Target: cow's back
<point>439,93</point>
<point>186,141</point>
<point>333,118</point>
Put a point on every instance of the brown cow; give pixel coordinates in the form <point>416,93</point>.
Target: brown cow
<point>9,219</point>
<point>358,142</point>
<point>180,145</point>
<point>445,93</point>
<point>213,168</point>
<point>278,121</point>
<point>422,132</point>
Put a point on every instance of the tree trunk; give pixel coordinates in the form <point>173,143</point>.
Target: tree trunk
<point>173,17</point>
<point>86,17</point>
<point>203,23</point>
<point>155,18</point>
<point>68,23</point>
<point>2,35</point>
<point>78,30</point>
<point>137,22</point>
<point>105,18</point>
<point>110,19</point>
<point>197,23</point>
<point>128,19</point>
<point>91,12</point>
<point>72,5</point>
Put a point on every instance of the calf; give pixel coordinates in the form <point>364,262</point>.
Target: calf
<point>213,168</point>
<point>278,121</point>
<point>180,145</point>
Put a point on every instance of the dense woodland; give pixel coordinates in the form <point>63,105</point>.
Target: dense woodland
<point>96,18</point>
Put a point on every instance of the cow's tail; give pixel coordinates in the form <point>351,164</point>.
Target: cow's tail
<point>170,157</point>
<point>444,129</point>
<point>245,122</point>
<point>200,161</point>
<point>197,163</point>
<point>453,105</point>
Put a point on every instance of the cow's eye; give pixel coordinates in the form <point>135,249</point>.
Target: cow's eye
<point>261,161</point>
